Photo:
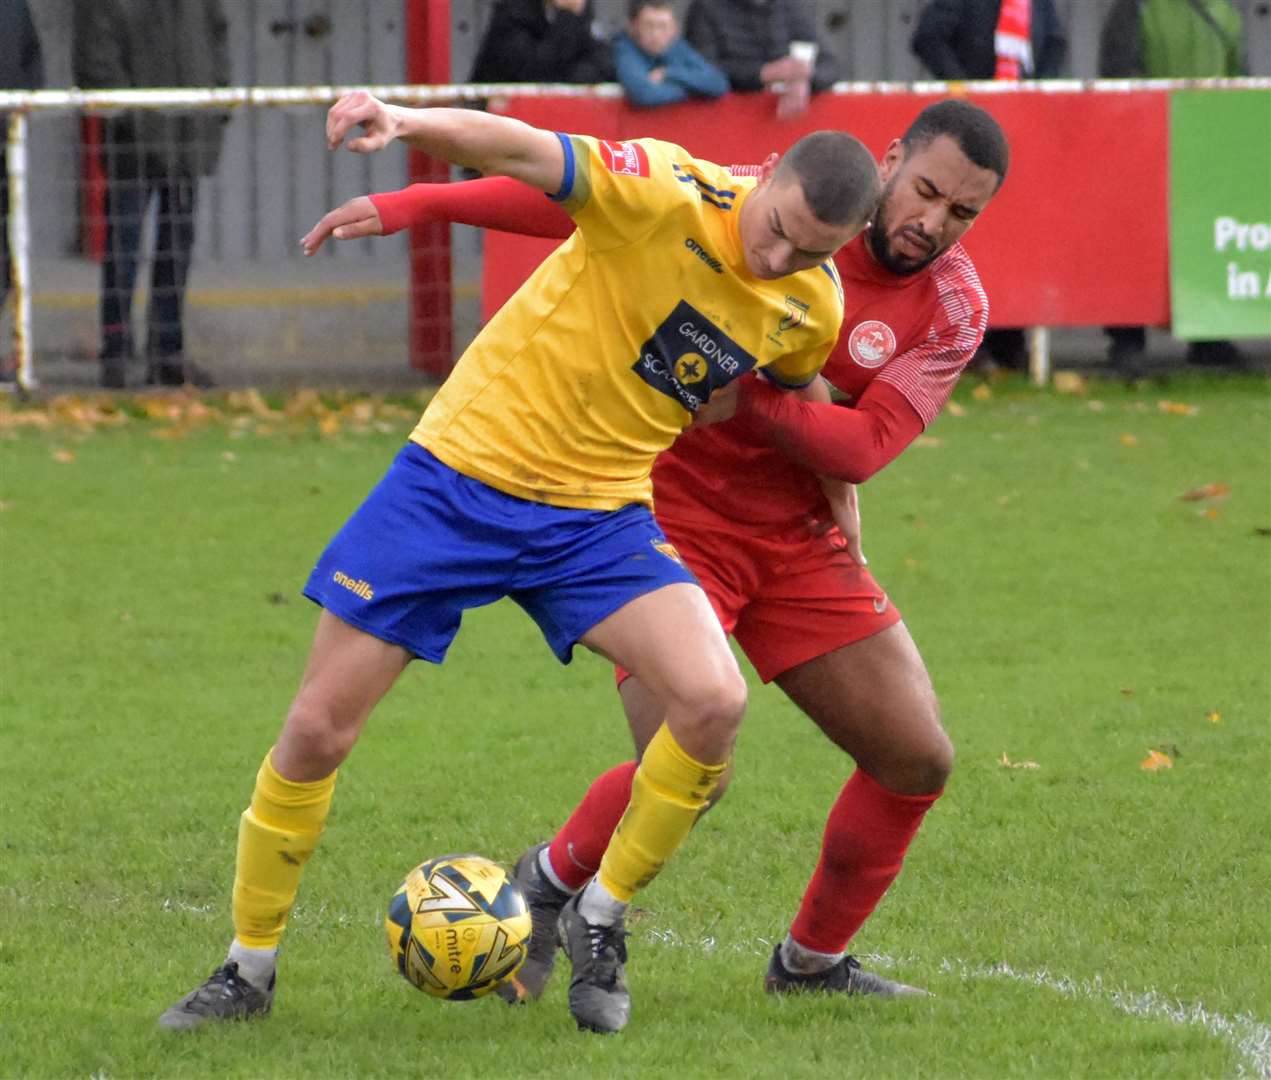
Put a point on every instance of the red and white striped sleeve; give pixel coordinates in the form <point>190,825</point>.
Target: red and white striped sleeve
<point>926,373</point>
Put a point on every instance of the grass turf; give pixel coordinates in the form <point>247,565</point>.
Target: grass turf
<point>1084,917</point>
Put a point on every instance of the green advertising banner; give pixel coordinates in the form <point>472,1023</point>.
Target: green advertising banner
<point>1220,213</point>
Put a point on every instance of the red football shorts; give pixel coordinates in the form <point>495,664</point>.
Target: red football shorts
<point>786,597</point>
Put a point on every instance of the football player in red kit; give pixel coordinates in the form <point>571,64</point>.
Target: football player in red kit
<point>754,506</point>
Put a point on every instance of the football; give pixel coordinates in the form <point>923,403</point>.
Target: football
<point>458,927</point>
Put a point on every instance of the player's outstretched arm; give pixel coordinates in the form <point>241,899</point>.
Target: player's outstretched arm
<point>497,202</point>
<point>493,145</point>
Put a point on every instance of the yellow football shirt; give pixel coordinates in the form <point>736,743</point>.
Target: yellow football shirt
<point>599,360</point>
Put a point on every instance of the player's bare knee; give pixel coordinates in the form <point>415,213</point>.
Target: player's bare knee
<point>712,710</point>
<point>315,738</point>
<point>935,764</point>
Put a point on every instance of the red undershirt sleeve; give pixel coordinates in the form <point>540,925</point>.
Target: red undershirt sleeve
<point>495,202</point>
<point>832,440</point>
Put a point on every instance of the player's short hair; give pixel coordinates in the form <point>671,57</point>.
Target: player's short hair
<point>636,6</point>
<point>975,131</point>
<point>838,175</point>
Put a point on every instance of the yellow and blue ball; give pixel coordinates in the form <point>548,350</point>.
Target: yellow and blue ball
<point>458,927</point>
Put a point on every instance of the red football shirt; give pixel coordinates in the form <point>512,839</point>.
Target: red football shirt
<point>907,336</point>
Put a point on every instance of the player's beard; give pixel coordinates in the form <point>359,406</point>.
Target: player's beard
<point>880,245</point>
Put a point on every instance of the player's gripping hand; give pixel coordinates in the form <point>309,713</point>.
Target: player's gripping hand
<point>719,407</point>
<point>355,219</point>
<point>361,109</point>
<point>845,512</point>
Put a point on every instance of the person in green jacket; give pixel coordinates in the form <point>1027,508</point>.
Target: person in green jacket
<point>1171,39</point>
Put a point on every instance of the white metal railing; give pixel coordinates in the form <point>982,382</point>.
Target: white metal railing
<point>19,104</point>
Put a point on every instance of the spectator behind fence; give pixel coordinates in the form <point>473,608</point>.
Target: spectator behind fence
<point>151,156</point>
<point>21,68</point>
<point>658,67</point>
<point>542,41</point>
<point>764,45</point>
<point>1182,39</point>
<point>992,39</point>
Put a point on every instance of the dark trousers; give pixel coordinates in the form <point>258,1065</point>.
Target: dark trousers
<point>6,274</point>
<point>136,176</point>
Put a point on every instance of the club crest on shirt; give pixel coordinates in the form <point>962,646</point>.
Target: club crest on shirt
<point>796,315</point>
<point>625,158</point>
<point>871,343</point>
<point>688,356</point>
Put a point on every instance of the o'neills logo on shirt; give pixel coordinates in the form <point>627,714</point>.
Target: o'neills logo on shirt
<point>625,158</point>
<point>688,357</point>
<point>871,343</point>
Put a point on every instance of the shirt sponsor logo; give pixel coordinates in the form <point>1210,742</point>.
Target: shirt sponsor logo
<point>688,357</point>
<point>703,254</point>
<point>871,343</point>
<point>358,587</point>
<point>625,158</point>
<point>880,604</point>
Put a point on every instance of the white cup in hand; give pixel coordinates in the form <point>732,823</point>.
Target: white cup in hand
<point>805,52</point>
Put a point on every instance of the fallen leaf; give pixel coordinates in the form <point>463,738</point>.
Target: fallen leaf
<point>1002,500</point>
<point>928,441</point>
<point>1212,514</point>
<point>1262,530</point>
<point>1206,491</point>
<point>1156,760</point>
<point>982,392</point>
<point>1128,691</point>
<point>1177,408</point>
<point>5,506</point>
<point>954,409</point>
<point>329,424</point>
<point>1214,717</point>
<point>64,456</point>
<point>1129,440</point>
<point>912,563</point>
<point>1007,763</point>
<point>228,455</point>
<point>1068,382</point>
<point>1095,405</point>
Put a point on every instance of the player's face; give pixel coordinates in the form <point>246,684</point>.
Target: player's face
<point>780,235</point>
<point>931,196</point>
<point>654,29</point>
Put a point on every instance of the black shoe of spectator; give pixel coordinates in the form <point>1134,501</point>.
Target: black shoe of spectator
<point>114,373</point>
<point>1127,361</point>
<point>1216,354</point>
<point>173,371</point>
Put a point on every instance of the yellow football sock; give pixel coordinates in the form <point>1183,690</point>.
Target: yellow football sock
<point>276,836</point>
<point>668,791</point>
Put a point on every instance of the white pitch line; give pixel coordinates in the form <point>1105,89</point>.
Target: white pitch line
<point>1250,1037</point>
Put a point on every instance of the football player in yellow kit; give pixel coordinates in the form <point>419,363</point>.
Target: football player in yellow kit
<point>528,477</point>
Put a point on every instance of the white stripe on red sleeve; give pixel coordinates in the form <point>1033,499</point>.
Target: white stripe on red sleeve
<point>926,374</point>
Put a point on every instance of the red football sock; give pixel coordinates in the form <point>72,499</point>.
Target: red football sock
<point>866,836</point>
<point>579,846</point>
<point>496,202</point>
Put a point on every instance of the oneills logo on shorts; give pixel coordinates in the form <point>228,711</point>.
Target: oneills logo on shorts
<point>625,158</point>
<point>358,587</point>
<point>880,604</point>
<point>668,550</point>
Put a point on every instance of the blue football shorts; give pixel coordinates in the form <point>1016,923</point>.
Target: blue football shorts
<point>429,543</point>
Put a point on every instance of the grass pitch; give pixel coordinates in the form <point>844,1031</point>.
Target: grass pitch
<point>1074,912</point>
